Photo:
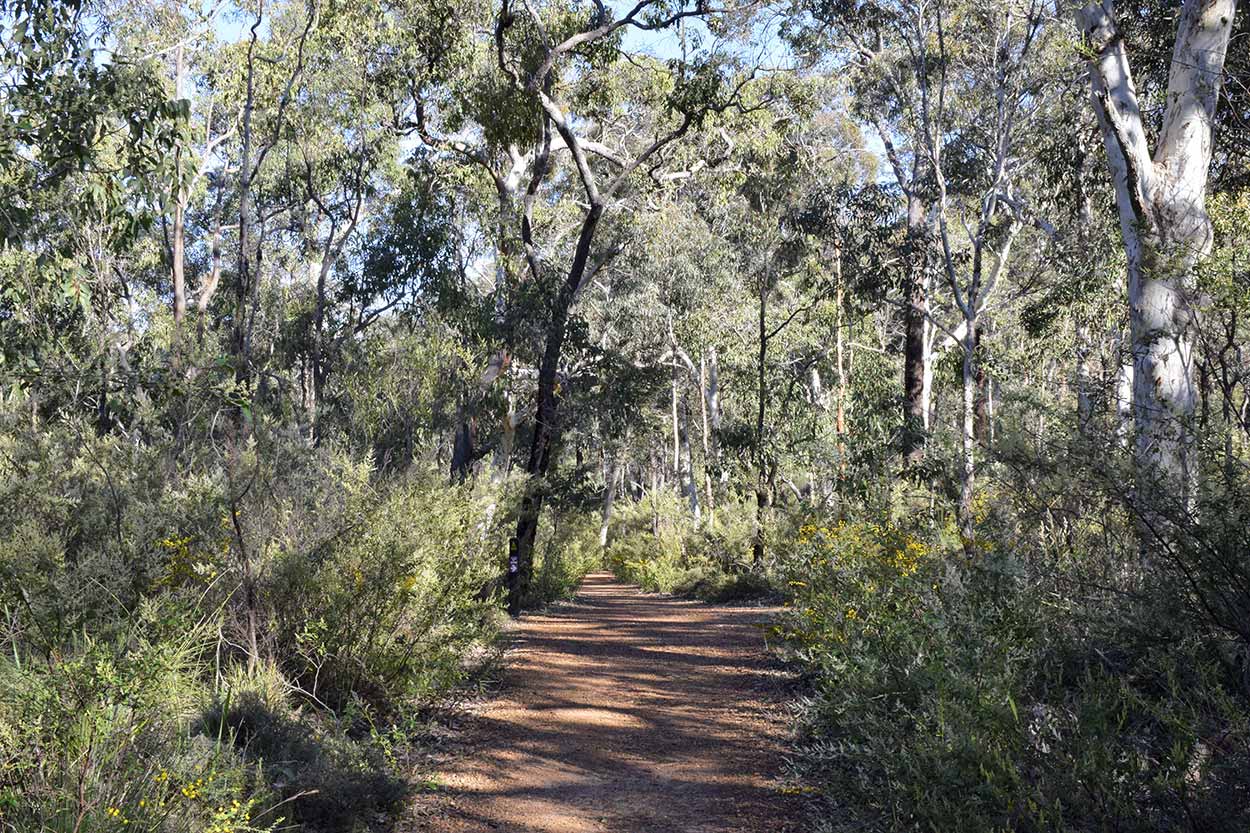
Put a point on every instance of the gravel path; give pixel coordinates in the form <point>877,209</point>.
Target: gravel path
<point>625,713</point>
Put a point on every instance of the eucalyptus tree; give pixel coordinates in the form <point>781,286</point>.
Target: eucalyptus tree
<point>85,136</point>
<point>182,38</point>
<point>991,86</point>
<point>784,158</point>
<point>1167,233</point>
<point>550,55</point>
<point>894,85</point>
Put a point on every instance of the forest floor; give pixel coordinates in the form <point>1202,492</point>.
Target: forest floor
<point>622,712</point>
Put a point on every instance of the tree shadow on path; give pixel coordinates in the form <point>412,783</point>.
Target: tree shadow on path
<point>626,713</point>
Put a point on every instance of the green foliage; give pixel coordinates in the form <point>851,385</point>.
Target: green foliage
<point>567,549</point>
<point>125,586</point>
<point>384,611</point>
<point>655,545</point>
<point>104,737</point>
<point>984,695</point>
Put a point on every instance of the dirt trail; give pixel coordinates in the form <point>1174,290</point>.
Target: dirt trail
<point>625,713</point>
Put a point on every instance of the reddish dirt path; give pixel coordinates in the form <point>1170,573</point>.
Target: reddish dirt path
<point>625,713</point>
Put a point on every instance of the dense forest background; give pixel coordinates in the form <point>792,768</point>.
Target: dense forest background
<point>927,318</point>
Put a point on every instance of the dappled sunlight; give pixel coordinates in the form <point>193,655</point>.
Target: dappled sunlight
<point>627,712</point>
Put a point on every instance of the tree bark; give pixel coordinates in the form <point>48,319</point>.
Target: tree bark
<point>761,485</point>
<point>546,411</point>
<point>915,398</point>
<point>984,410</point>
<point>178,243</point>
<point>1166,233</point>
<point>967,433</point>
<point>707,442</point>
<point>712,395</point>
<point>685,464</point>
<point>214,275</point>
<point>609,497</point>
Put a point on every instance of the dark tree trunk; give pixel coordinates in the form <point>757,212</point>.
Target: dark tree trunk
<point>545,416</point>
<point>982,428</point>
<point>463,451</point>
<point>761,487</point>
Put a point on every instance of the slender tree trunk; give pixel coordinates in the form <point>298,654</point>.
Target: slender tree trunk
<point>840,414</point>
<point>984,408</point>
<point>967,480</point>
<point>463,446</point>
<point>707,454</point>
<point>761,485</point>
<point>655,492</point>
<point>609,497</point>
<point>319,371</point>
<point>214,274</point>
<point>1084,382</point>
<point>712,397</point>
<point>179,264</point>
<point>689,487</point>
<point>678,474</point>
<point>243,278</point>
<point>546,413</point>
<point>915,407</point>
<point>178,243</point>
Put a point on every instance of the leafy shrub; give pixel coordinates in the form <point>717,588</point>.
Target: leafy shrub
<point>386,608</point>
<point>325,777</point>
<point>102,738</point>
<point>979,696</point>
<point>129,580</point>
<point>567,549</point>
<point>658,548</point>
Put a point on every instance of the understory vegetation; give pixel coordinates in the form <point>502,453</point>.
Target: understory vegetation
<point>185,651</point>
<point>333,333</point>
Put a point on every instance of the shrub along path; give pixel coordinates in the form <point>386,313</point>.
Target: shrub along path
<point>625,713</point>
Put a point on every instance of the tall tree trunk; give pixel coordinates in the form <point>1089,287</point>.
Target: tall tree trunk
<point>239,336</point>
<point>463,448</point>
<point>678,474</point>
<point>1166,232</point>
<point>707,443</point>
<point>214,274</point>
<point>915,398</point>
<point>839,424</point>
<point>319,370</point>
<point>685,465</point>
<point>178,242</point>
<point>761,483</point>
<point>546,414</point>
<point>609,497</point>
<point>984,410</point>
<point>1084,382</point>
<point>712,396</point>
<point>967,479</point>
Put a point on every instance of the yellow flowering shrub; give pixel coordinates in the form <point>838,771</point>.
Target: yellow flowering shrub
<point>846,577</point>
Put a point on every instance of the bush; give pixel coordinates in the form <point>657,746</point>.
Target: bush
<point>103,738</point>
<point>133,579</point>
<point>386,608</point>
<point>657,547</point>
<point>567,548</point>
<point>982,695</point>
<point>329,774</point>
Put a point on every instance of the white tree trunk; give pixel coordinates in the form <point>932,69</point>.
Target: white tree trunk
<point>1166,232</point>
<point>968,437</point>
<point>609,495</point>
